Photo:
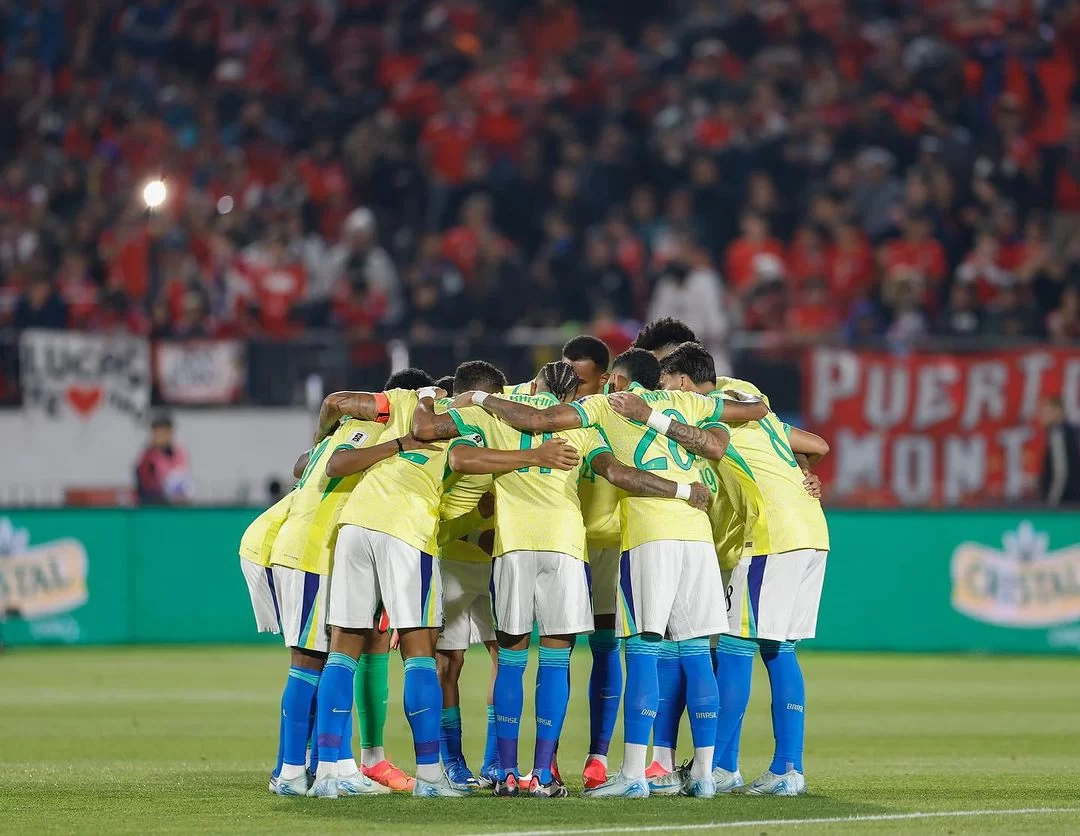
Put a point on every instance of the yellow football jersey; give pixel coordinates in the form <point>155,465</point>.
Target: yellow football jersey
<point>732,513</point>
<point>459,537</point>
<point>760,449</point>
<point>600,510</point>
<point>645,519</point>
<point>518,388</point>
<point>536,509</point>
<point>306,538</point>
<point>258,539</point>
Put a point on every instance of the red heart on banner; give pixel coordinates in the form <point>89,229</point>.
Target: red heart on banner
<point>84,400</point>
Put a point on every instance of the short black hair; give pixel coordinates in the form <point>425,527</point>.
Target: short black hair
<point>479,375</point>
<point>559,378</point>
<point>640,366</point>
<point>408,379</point>
<point>446,383</point>
<point>584,347</point>
<point>692,360</point>
<point>664,332</point>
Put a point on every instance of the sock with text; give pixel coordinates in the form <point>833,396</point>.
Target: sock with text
<point>788,705</point>
<point>552,700</point>
<point>509,703</point>
<point>695,656</point>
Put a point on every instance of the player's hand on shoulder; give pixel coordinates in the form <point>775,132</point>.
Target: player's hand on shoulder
<point>555,452</point>
<point>463,400</point>
<point>699,496</point>
<point>812,482</point>
<point>411,442</point>
<point>631,406</point>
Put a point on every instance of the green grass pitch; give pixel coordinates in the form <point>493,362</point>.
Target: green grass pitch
<point>181,740</point>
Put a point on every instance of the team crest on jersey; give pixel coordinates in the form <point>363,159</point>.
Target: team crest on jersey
<point>1022,585</point>
<point>475,438</point>
<point>41,580</point>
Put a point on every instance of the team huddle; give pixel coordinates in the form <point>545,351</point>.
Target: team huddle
<point>666,513</point>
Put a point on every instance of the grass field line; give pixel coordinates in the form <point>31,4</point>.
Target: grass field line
<point>717,825</point>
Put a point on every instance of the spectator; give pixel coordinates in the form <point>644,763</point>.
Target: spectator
<point>961,317</point>
<point>1059,481</point>
<point>877,192</point>
<point>163,475</point>
<point>40,306</point>
<point>690,291</point>
<point>1063,324</point>
<point>359,247</point>
<point>601,284</point>
<point>754,241</point>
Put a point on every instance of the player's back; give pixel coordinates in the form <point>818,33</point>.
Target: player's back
<point>794,518</point>
<point>257,542</point>
<point>645,519</point>
<point>733,513</point>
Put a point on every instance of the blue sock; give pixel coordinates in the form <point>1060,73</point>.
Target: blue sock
<point>509,703</point>
<point>491,742</point>
<point>450,735</point>
<point>313,737</point>
<point>345,751</point>
<point>642,690</point>
<point>280,742</point>
<point>672,691</point>
<point>605,688</point>
<point>734,668</point>
<point>695,657</point>
<point>297,702</point>
<point>423,707</point>
<point>728,758</point>
<point>334,705</point>
<point>552,700</point>
<point>788,705</point>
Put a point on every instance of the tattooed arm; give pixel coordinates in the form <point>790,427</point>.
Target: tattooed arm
<point>362,405</point>
<point>709,444</point>
<point>521,416</point>
<point>430,426</point>
<point>642,483</point>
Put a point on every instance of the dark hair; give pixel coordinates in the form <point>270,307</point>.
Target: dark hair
<point>408,379</point>
<point>559,378</point>
<point>640,366</point>
<point>692,360</point>
<point>664,332</point>
<point>585,347</point>
<point>446,382</point>
<point>479,375</point>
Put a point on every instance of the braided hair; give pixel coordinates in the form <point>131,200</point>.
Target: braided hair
<point>560,378</point>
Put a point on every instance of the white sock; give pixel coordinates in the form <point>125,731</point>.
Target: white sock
<point>347,766</point>
<point>665,756</point>
<point>633,765</point>
<point>601,758</point>
<point>370,757</point>
<point>326,770</point>
<point>430,772</point>
<point>291,770</point>
<point>702,764</point>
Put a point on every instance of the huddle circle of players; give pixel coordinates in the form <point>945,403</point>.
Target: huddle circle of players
<point>664,512</point>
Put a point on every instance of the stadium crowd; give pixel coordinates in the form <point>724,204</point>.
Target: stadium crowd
<point>812,170</point>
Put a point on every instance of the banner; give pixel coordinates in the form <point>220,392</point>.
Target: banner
<point>956,581</point>
<point>934,429</point>
<point>200,371</point>
<point>68,374</point>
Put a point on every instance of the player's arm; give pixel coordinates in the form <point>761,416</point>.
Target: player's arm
<point>643,483</point>
<point>522,416</point>
<point>345,461</point>
<point>366,406</point>
<point>707,442</point>
<point>429,425</point>
<point>301,464</point>
<point>553,453</point>
<point>812,447</point>
<point>739,407</point>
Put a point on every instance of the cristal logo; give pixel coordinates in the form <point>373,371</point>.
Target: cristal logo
<point>1022,585</point>
<point>42,580</point>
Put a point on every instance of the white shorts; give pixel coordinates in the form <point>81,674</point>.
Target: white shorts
<point>302,599</point>
<point>604,578</point>
<point>549,588</point>
<point>672,588</point>
<point>372,568</point>
<point>467,616</point>
<point>776,596</point>
<point>264,601</point>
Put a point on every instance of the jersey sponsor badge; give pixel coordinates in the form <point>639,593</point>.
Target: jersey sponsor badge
<point>358,438</point>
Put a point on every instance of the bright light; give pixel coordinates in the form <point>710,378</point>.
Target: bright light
<point>225,205</point>
<point>154,194</point>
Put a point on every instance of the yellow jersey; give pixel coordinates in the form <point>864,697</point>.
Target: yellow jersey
<point>732,513</point>
<point>518,388</point>
<point>459,538</point>
<point>600,510</point>
<point>646,519</point>
<point>307,538</point>
<point>537,509</point>
<point>258,539</point>
<point>760,450</point>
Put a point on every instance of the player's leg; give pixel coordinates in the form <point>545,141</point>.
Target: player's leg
<point>372,696</point>
<point>489,772</point>
<point>697,614</point>
<point>563,610</point>
<point>514,579</point>
<point>264,605</point>
<point>648,579</point>
<point>672,690</point>
<point>790,597</point>
<point>353,600</point>
<point>411,586</point>
<point>606,677</point>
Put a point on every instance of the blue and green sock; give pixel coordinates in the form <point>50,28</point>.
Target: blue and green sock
<point>509,704</point>
<point>423,707</point>
<point>552,700</point>
<point>788,705</point>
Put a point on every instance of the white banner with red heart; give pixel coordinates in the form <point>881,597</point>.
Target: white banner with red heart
<point>65,374</point>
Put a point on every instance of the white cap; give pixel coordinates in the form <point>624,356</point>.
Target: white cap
<point>767,267</point>
<point>359,220</point>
